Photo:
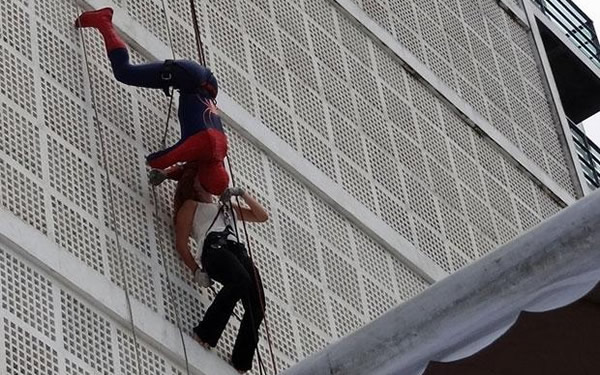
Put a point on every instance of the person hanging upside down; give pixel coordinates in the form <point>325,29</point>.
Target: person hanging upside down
<point>202,136</point>
<point>223,259</point>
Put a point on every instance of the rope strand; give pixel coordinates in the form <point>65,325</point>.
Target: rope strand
<point>172,295</point>
<point>170,288</point>
<point>255,271</point>
<point>261,366</point>
<point>168,29</point>
<point>202,57</point>
<point>199,44</point>
<point>111,204</point>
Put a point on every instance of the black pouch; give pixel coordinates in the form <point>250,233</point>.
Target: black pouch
<point>216,240</point>
<point>237,248</point>
<point>213,241</point>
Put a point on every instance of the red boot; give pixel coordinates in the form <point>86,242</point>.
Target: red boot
<point>101,19</point>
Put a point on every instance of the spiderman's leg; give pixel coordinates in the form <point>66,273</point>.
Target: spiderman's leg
<point>204,146</point>
<point>142,75</point>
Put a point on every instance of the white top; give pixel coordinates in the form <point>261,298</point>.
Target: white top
<point>203,217</point>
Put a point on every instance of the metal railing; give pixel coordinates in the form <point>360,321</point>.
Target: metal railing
<point>576,25</point>
<point>589,156</point>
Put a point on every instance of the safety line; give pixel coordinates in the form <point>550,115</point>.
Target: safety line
<point>164,137</point>
<point>155,199</point>
<point>168,29</point>
<point>173,296</point>
<point>111,200</point>
<point>227,205</point>
<point>202,57</point>
<point>199,44</point>
<point>254,269</point>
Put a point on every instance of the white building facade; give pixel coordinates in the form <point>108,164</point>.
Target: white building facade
<point>393,142</point>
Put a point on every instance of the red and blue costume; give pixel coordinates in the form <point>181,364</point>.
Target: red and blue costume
<point>203,140</point>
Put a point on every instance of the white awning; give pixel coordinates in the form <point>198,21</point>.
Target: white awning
<point>552,265</point>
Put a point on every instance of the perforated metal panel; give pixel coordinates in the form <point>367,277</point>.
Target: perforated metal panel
<point>323,86</point>
<point>151,363</point>
<point>481,52</point>
<point>17,76</point>
<point>48,330</point>
<point>86,332</point>
<point>77,234</point>
<point>27,295</point>
<point>18,134</point>
<point>22,196</point>
<point>138,271</point>
<point>25,353</point>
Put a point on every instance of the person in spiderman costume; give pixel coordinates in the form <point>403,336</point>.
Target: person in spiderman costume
<point>203,141</point>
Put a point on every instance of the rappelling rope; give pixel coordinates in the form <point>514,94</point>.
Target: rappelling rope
<point>173,297</point>
<point>261,297</point>
<point>199,44</point>
<point>111,204</point>
<point>164,137</point>
<point>170,291</point>
<point>202,58</point>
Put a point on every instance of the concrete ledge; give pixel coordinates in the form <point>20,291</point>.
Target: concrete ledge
<point>62,267</point>
<point>517,13</point>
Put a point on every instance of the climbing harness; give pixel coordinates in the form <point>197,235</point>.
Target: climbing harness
<point>166,74</point>
<point>112,206</point>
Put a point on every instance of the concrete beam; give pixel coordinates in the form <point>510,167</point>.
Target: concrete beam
<point>558,112</point>
<point>516,12</point>
<point>555,263</point>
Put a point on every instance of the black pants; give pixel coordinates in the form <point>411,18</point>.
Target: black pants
<point>230,265</point>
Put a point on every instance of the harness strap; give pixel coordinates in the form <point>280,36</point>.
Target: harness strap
<point>214,220</point>
<point>166,75</point>
<point>228,228</point>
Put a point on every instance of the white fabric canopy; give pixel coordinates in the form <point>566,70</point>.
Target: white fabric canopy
<point>552,265</point>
